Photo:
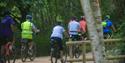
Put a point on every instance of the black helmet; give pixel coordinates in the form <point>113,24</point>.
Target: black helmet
<point>7,12</point>
<point>59,22</point>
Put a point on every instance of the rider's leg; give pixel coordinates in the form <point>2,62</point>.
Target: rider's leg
<point>61,48</point>
<point>30,43</point>
<point>61,54</point>
<point>8,45</point>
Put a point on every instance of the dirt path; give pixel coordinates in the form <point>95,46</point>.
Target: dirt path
<point>40,60</point>
<point>46,60</point>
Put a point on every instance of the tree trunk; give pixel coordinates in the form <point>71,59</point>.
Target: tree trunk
<point>96,42</point>
<point>97,15</point>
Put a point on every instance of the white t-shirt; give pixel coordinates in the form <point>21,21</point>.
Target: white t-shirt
<point>73,27</point>
<point>58,31</point>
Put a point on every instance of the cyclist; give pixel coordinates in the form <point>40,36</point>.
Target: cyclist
<point>73,28</point>
<point>83,27</point>
<point>7,28</point>
<point>27,31</point>
<point>108,26</point>
<point>57,35</point>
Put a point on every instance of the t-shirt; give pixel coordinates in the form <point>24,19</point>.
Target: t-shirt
<point>83,25</point>
<point>58,31</point>
<point>108,26</point>
<point>6,23</point>
<point>73,27</point>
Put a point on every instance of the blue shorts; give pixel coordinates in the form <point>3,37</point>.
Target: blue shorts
<point>56,40</point>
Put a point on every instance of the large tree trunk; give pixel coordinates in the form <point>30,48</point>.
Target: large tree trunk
<point>97,15</point>
<point>96,42</point>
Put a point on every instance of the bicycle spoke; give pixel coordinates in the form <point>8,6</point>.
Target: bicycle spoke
<point>23,53</point>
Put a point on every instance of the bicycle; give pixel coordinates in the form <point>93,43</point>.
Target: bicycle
<point>108,35</point>
<point>76,51</point>
<point>27,52</point>
<point>10,55</point>
<point>55,53</point>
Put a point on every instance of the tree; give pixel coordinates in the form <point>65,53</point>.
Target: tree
<point>96,42</point>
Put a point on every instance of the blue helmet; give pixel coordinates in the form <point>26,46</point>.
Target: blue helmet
<point>28,17</point>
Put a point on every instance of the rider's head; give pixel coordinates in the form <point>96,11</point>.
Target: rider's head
<point>29,17</point>
<point>73,18</point>
<point>7,12</point>
<point>107,17</point>
<point>83,18</point>
<point>59,22</point>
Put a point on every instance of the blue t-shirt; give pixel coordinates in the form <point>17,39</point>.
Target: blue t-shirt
<point>108,25</point>
<point>6,23</point>
<point>73,27</point>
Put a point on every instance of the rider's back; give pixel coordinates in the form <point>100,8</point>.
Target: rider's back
<point>83,25</point>
<point>73,27</point>
<point>107,28</point>
<point>6,23</point>
<point>58,31</point>
<point>26,30</point>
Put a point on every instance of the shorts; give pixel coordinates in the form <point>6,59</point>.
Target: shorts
<point>24,40</point>
<point>83,35</point>
<point>74,37</point>
<point>58,41</point>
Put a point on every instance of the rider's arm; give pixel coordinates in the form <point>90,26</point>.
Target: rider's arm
<point>113,28</point>
<point>66,34</point>
<point>13,28</point>
<point>34,28</point>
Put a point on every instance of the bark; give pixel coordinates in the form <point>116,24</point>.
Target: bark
<point>97,14</point>
<point>96,42</point>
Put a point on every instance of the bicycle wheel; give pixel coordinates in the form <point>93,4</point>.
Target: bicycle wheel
<point>77,52</point>
<point>32,52</point>
<point>23,53</point>
<point>55,57</point>
<point>14,54</point>
<point>65,54</point>
<point>2,60</point>
<point>52,55</point>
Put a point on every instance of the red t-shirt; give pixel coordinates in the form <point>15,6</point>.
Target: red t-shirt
<point>83,25</point>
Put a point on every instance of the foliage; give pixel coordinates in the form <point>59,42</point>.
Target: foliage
<point>46,12</point>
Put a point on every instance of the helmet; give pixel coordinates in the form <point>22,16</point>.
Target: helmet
<point>107,17</point>
<point>74,18</point>
<point>82,16</point>
<point>59,22</point>
<point>28,17</point>
<point>7,12</point>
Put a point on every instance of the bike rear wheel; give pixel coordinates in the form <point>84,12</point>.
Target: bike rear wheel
<point>32,52</point>
<point>77,52</point>
<point>55,56</point>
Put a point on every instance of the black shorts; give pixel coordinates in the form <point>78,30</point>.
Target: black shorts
<point>6,39</point>
<point>58,41</point>
<point>24,40</point>
<point>74,37</point>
